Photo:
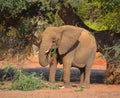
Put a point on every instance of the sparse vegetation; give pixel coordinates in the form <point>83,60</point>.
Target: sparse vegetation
<point>25,81</point>
<point>79,90</point>
<point>113,71</point>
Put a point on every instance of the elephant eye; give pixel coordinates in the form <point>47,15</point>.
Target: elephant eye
<point>53,40</point>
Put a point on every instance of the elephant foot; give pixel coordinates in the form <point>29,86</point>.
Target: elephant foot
<point>52,81</point>
<point>85,85</point>
<point>67,85</point>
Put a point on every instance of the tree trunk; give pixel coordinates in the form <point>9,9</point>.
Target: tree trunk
<point>103,38</point>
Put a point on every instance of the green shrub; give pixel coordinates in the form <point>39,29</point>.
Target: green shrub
<point>25,81</point>
<point>28,82</point>
<point>112,55</point>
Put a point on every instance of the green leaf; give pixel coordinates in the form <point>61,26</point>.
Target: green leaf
<point>53,52</point>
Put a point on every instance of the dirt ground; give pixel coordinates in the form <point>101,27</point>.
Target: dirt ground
<point>97,88</point>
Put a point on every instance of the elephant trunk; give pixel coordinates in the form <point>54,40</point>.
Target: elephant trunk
<point>43,57</point>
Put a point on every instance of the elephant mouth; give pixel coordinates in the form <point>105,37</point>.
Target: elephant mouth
<point>46,57</point>
<point>51,52</point>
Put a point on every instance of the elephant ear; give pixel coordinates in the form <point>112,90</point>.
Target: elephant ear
<point>69,38</point>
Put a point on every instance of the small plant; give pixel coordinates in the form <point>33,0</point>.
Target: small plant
<point>61,74</point>
<point>1,86</point>
<point>80,89</point>
<point>7,72</point>
<point>53,86</point>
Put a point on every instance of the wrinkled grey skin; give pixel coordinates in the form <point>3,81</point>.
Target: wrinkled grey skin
<point>75,45</point>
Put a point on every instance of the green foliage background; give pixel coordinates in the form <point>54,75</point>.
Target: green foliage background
<point>22,22</point>
<point>19,19</point>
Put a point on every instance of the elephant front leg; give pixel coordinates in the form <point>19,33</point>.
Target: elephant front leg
<point>52,72</point>
<point>66,71</point>
<point>66,76</point>
<point>67,63</point>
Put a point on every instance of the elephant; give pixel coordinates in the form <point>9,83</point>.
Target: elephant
<point>73,47</point>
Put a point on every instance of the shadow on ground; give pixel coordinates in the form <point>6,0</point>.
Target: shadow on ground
<point>97,76</point>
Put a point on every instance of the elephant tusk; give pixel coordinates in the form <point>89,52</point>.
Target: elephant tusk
<point>47,51</point>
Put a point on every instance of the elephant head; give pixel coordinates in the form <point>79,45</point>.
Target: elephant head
<point>61,38</point>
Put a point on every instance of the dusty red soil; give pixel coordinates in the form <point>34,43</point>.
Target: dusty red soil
<point>97,89</point>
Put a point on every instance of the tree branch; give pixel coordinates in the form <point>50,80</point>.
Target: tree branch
<point>106,37</point>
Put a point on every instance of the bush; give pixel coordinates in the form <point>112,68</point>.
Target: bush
<point>113,65</point>
<point>25,81</point>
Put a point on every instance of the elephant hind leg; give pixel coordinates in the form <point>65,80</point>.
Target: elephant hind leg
<point>85,77</point>
<point>88,71</point>
<point>82,76</point>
